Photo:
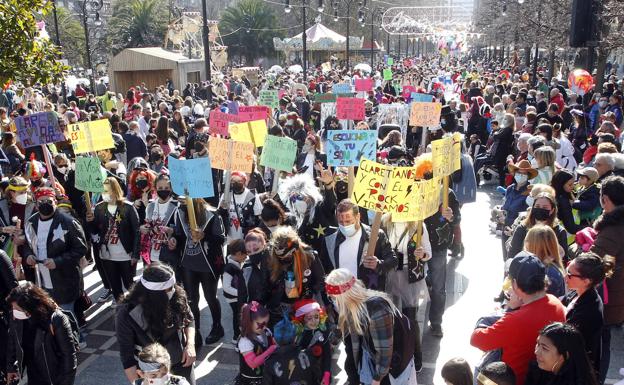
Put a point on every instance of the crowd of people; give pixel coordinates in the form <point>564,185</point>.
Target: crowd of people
<point>294,261</point>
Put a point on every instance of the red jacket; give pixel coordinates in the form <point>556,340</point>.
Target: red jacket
<point>516,333</point>
<point>558,100</point>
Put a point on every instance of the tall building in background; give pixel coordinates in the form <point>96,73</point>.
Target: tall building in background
<point>461,10</point>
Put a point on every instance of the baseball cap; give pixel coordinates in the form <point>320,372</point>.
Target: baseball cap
<point>526,269</point>
<point>589,172</point>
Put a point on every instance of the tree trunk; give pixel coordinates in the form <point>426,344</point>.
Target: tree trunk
<point>551,62</point>
<point>527,56</point>
<point>603,55</point>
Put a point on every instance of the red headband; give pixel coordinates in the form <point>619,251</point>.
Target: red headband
<point>44,192</point>
<point>339,289</point>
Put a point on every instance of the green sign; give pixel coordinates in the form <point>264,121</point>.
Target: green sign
<point>269,98</point>
<point>279,153</point>
<point>324,98</point>
<point>387,74</point>
<point>390,61</point>
<point>89,174</point>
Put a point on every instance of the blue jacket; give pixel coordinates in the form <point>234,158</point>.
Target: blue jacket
<point>617,110</point>
<point>515,202</point>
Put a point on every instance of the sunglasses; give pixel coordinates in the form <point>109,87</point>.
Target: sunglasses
<point>570,275</point>
<point>296,197</point>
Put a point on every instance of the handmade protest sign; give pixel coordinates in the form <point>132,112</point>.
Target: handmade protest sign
<point>90,175</point>
<point>390,61</point>
<point>348,147</point>
<point>341,88</point>
<point>238,157</point>
<point>252,132</point>
<point>418,97</point>
<point>269,98</point>
<point>324,98</point>
<point>364,84</point>
<point>40,128</point>
<point>425,198</point>
<point>191,177</point>
<point>387,74</point>
<point>279,153</point>
<point>445,155</point>
<point>220,121</point>
<point>425,114</point>
<point>91,136</point>
<point>350,108</point>
<point>252,113</point>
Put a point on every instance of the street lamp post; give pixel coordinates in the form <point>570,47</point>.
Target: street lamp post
<point>348,3</point>
<point>539,23</point>
<point>58,44</point>
<point>206,41</point>
<point>304,34</point>
<point>374,12</point>
<point>95,7</point>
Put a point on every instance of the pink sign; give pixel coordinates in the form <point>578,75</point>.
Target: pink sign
<point>219,122</point>
<point>407,91</point>
<point>281,93</point>
<point>364,84</point>
<point>350,108</point>
<point>251,113</point>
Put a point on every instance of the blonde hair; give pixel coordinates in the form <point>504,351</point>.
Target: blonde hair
<point>116,192</point>
<point>545,157</point>
<point>156,353</point>
<point>352,313</point>
<point>542,241</point>
<point>538,188</point>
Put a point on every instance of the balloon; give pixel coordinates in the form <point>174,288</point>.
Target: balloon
<point>505,74</point>
<point>580,81</point>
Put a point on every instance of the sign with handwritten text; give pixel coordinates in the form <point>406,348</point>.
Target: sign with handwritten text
<point>90,175</point>
<point>364,84</point>
<point>425,114</point>
<point>279,153</point>
<point>350,108</point>
<point>192,177</point>
<point>40,128</point>
<point>238,158</point>
<point>348,147</point>
<point>91,136</point>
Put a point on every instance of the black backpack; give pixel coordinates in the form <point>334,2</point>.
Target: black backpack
<point>75,329</point>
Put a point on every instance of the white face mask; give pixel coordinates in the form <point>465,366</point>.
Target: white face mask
<point>603,104</point>
<point>301,207</point>
<point>158,381</point>
<point>106,197</point>
<point>62,170</point>
<point>18,314</point>
<point>347,231</point>
<point>529,201</point>
<point>21,199</point>
<point>521,178</point>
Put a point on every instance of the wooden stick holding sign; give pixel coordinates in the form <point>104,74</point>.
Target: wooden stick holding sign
<point>46,156</point>
<point>228,178</point>
<point>445,191</point>
<point>190,210</point>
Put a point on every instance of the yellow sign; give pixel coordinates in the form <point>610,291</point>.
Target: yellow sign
<point>425,114</point>
<point>240,155</point>
<point>385,189</point>
<point>445,155</point>
<point>91,136</point>
<point>426,198</point>
<point>252,132</point>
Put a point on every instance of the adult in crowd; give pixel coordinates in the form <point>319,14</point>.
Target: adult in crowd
<point>604,164</point>
<point>516,198</point>
<point>515,333</point>
<point>541,241</point>
<point>41,339</point>
<point>7,282</point>
<point>156,310</point>
<point>563,183</point>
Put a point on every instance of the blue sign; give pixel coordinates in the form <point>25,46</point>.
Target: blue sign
<point>347,147</point>
<point>192,177</point>
<point>341,88</point>
<point>421,98</point>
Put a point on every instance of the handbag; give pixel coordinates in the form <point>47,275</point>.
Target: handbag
<point>84,302</point>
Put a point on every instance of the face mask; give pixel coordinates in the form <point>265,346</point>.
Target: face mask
<point>46,209</point>
<point>602,104</point>
<point>521,178</point>
<point>540,214</point>
<point>106,197</point>
<point>237,187</point>
<point>529,201</point>
<point>36,183</point>
<point>301,207</point>
<point>62,170</point>
<point>141,184</point>
<point>170,293</point>
<point>256,258</point>
<point>159,381</point>
<point>21,199</point>
<point>163,194</point>
<point>18,314</point>
<point>347,231</point>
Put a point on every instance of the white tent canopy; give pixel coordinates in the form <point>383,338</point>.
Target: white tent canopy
<point>318,38</point>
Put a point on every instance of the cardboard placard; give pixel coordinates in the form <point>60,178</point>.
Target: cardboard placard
<point>364,84</point>
<point>350,108</point>
<point>37,129</point>
<point>422,98</point>
<point>240,158</point>
<point>425,114</point>
<point>220,121</point>
<point>91,136</point>
<point>251,113</point>
<point>387,74</point>
<point>279,153</point>
<point>446,155</point>
<point>191,177</point>
<point>252,132</point>
<point>341,88</point>
<point>348,147</point>
<point>425,199</point>
<point>269,98</point>
<point>324,98</point>
<point>90,175</point>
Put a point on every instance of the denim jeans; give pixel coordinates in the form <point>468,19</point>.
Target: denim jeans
<point>436,280</point>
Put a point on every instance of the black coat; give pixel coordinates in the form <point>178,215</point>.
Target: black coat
<point>502,145</point>
<point>290,365</point>
<point>53,357</point>
<point>318,157</point>
<point>7,280</point>
<point>128,227</point>
<point>66,245</point>
<point>586,316</point>
<point>440,230</point>
<point>255,284</point>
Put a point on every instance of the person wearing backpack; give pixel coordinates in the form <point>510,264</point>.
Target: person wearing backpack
<point>382,338</point>
<point>43,339</point>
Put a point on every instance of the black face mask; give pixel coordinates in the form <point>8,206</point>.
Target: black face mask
<point>141,184</point>
<point>163,194</point>
<point>237,187</point>
<point>257,258</point>
<point>36,183</point>
<point>155,157</point>
<point>540,214</point>
<point>46,209</point>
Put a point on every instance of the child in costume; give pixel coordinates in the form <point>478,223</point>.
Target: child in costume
<point>154,365</point>
<point>313,334</point>
<point>255,345</point>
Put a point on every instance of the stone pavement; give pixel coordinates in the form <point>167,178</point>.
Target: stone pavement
<point>471,285</point>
